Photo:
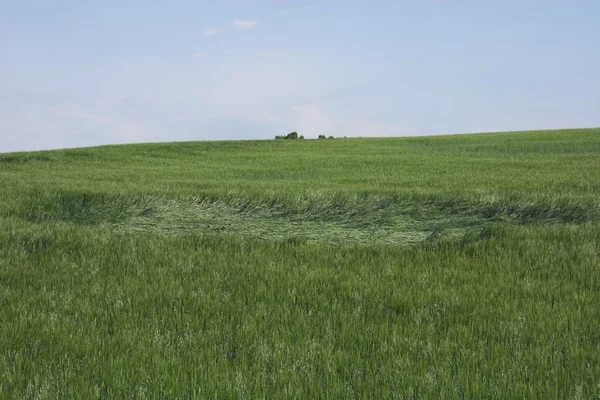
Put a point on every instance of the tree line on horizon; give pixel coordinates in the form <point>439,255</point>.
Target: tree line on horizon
<point>294,135</point>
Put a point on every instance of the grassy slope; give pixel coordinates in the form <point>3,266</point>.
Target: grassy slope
<point>449,266</point>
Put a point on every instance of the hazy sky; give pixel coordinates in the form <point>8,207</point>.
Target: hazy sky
<point>77,73</point>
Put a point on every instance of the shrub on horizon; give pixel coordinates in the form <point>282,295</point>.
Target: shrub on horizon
<point>291,135</point>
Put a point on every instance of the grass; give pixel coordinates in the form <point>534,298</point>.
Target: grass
<point>445,267</point>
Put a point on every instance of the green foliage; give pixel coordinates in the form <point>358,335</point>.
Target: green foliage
<point>444,267</point>
<point>291,135</point>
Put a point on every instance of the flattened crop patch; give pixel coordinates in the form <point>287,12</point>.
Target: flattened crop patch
<point>332,219</point>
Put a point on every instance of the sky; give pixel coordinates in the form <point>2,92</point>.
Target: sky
<point>80,73</point>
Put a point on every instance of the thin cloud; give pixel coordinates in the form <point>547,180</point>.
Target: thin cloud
<point>198,55</point>
<point>212,31</point>
<point>245,23</point>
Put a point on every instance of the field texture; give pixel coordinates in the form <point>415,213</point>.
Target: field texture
<point>445,267</point>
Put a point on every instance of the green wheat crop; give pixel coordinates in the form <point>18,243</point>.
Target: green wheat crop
<point>463,266</point>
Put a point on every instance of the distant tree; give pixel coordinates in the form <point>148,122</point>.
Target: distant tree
<point>331,137</point>
<point>291,135</point>
<point>321,136</point>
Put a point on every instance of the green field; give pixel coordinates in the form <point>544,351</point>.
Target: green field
<point>464,266</point>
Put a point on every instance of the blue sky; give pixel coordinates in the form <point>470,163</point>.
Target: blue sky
<point>79,73</point>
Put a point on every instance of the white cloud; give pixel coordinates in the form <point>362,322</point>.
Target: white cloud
<point>198,55</point>
<point>245,23</point>
<point>270,117</point>
<point>36,127</point>
<point>283,12</point>
<point>369,129</point>
<point>313,119</point>
<point>212,31</point>
<point>121,130</point>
